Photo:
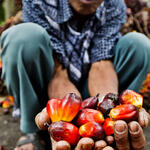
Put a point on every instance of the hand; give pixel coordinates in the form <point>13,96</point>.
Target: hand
<point>122,132</point>
<point>84,143</point>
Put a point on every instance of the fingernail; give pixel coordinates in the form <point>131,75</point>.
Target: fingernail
<point>119,128</point>
<point>133,127</point>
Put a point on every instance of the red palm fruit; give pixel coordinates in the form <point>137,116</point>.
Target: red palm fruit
<point>126,112</point>
<point>64,109</point>
<point>54,109</point>
<point>93,130</point>
<point>131,97</point>
<point>108,126</point>
<point>109,102</point>
<point>64,131</point>
<point>90,102</point>
<point>71,105</point>
<point>88,115</point>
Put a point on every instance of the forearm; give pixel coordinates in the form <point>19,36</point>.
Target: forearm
<point>102,78</point>
<point>60,85</point>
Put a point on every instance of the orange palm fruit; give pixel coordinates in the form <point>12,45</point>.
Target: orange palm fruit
<point>131,97</point>
<point>108,126</point>
<point>6,104</point>
<point>88,115</point>
<point>93,130</point>
<point>71,105</point>
<point>64,109</point>
<point>54,109</point>
<point>126,112</point>
<point>64,131</point>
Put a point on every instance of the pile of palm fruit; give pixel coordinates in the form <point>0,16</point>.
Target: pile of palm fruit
<point>138,20</point>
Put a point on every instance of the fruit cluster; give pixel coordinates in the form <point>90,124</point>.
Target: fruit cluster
<point>73,118</point>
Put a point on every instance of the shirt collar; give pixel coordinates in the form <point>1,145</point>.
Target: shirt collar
<point>62,8</point>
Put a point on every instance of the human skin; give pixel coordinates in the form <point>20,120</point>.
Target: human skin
<point>85,7</point>
<point>101,81</point>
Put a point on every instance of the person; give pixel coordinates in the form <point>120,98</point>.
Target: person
<point>73,46</point>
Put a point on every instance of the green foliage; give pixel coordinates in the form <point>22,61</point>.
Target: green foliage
<point>2,14</point>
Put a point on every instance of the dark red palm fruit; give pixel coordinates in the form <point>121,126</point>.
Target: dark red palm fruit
<point>88,115</point>
<point>126,112</point>
<point>92,130</point>
<point>109,102</point>
<point>64,131</point>
<point>90,102</point>
<point>108,126</point>
<point>131,97</point>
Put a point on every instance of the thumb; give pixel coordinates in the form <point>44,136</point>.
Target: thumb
<point>144,118</point>
<point>42,118</point>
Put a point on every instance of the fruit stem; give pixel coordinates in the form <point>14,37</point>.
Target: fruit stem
<point>46,124</point>
<point>97,95</point>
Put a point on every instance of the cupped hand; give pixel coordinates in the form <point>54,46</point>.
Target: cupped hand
<point>130,136</point>
<point>127,136</point>
<point>42,119</point>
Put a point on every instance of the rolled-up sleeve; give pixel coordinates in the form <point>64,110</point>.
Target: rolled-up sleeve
<point>107,34</point>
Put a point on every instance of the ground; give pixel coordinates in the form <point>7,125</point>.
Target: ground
<point>9,131</point>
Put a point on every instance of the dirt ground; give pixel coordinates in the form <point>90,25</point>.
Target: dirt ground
<point>9,131</point>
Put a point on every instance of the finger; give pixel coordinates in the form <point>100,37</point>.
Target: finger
<point>85,144</point>
<point>41,119</point>
<point>63,145</point>
<point>99,145</point>
<point>108,148</point>
<point>37,119</point>
<point>144,118</point>
<point>121,135</point>
<point>137,137</point>
<point>109,139</point>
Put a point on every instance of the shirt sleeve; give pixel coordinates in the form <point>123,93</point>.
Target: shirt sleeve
<point>33,13</point>
<point>108,33</point>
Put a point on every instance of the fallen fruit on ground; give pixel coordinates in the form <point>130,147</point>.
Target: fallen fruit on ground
<point>89,115</point>
<point>93,130</point>
<point>108,126</point>
<point>131,97</point>
<point>126,112</point>
<point>64,131</point>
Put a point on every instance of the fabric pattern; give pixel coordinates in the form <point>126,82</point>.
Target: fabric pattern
<point>78,50</point>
